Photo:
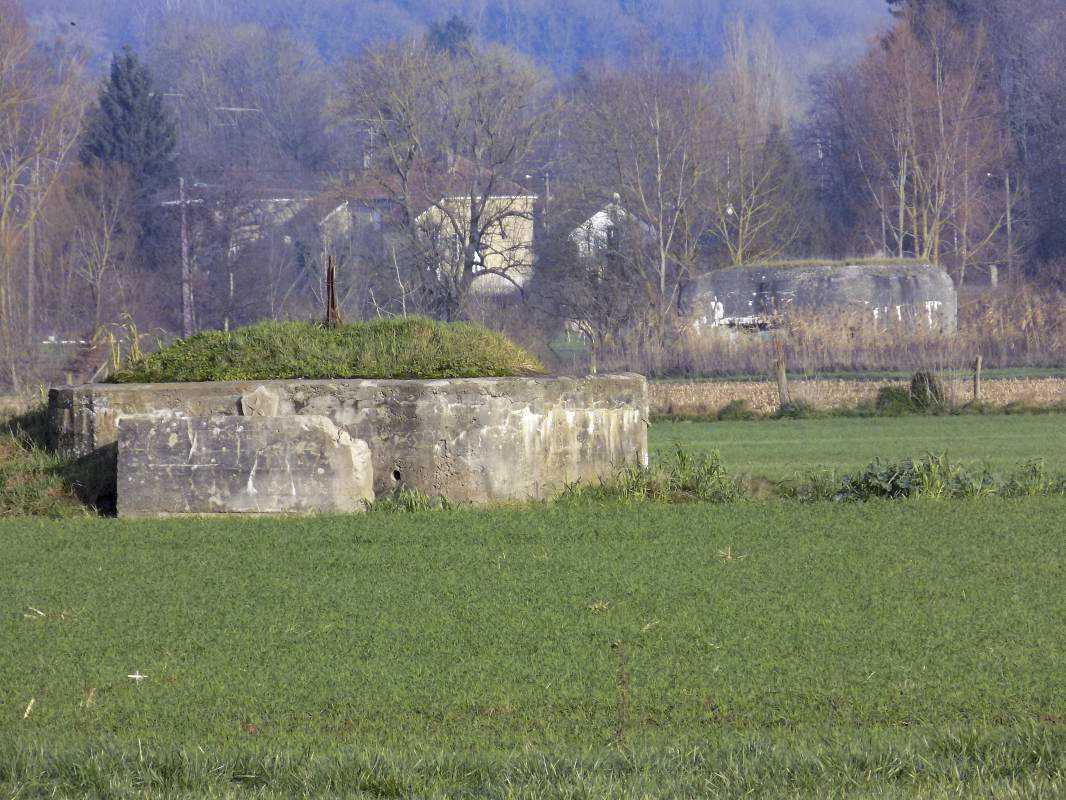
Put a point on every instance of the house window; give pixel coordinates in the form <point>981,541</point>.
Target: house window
<point>612,237</point>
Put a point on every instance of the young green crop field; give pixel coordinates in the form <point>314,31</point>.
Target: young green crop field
<point>781,449</point>
<point>771,649</point>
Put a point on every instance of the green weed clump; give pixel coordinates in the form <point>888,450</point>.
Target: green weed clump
<point>408,347</point>
<point>925,394</point>
<point>404,499</point>
<point>683,477</point>
<point>894,401</point>
<point>795,409</point>
<point>739,409</point>
<point>36,482</point>
<point>936,477</point>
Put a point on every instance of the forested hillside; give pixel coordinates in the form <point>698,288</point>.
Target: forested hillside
<point>560,33</point>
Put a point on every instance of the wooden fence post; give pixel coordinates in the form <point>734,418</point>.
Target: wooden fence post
<point>779,372</point>
<point>333,314</point>
<point>977,379</point>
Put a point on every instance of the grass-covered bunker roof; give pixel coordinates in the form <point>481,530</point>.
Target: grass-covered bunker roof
<point>408,347</point>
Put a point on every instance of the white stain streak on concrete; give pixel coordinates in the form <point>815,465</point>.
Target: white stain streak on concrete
<point>932,307</point>
<point>288,471</point>
<point>530,425</point>
<point>251,477</point>
<point>192,438</point>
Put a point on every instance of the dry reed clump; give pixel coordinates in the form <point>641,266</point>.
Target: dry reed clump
<point>1015,325</point>
<point>823,343</point>
<point>13,405</point>
<point>688,399</point>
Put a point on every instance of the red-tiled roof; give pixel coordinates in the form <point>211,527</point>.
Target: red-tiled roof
<point>428,184</point>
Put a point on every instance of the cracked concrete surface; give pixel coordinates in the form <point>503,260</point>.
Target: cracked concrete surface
<point>224,464</point>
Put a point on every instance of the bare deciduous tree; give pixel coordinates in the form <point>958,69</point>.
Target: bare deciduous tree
<point>41,108</point>
<point>757,191</point>
<point>104,235</point>
<point>644,133</point>
<point>929,150</point>
<point>449,135</point>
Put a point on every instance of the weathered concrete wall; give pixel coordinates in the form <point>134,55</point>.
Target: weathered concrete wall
<point>204,465</point>
<point>899,292</point>
<point>471,439</point>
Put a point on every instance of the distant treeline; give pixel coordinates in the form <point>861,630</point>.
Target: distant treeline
<point>560,33</point>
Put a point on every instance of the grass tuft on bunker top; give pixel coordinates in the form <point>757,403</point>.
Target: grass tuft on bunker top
<point>408,347</point>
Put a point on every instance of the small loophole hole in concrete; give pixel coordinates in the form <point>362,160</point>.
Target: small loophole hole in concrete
<point>396,475</point>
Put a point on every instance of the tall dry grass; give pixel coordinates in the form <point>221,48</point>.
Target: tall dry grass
<point>1008,327</point>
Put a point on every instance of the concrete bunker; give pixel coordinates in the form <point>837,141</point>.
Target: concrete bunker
<point>751,296</point>
<point>475,440</point>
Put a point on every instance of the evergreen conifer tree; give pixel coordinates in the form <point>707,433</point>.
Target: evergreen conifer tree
<point>451,36</point>
<point>130,125</point>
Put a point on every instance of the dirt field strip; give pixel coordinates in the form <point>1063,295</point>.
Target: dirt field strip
<point>692,398</point>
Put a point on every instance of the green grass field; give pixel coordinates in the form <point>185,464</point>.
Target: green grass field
<point>757,648</point>
<point>782,449</point>
<point>773,649</point>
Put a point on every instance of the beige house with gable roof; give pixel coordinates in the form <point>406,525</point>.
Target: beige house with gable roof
<point>505,249</point>
<point>443,212</point>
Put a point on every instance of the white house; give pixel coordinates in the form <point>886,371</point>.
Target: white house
<point>603,231</point>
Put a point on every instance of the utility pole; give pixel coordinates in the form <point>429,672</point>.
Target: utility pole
<point>1010,233</point>
<point>31,255</point>
<point>186,272</point>
<point>884,226</point>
